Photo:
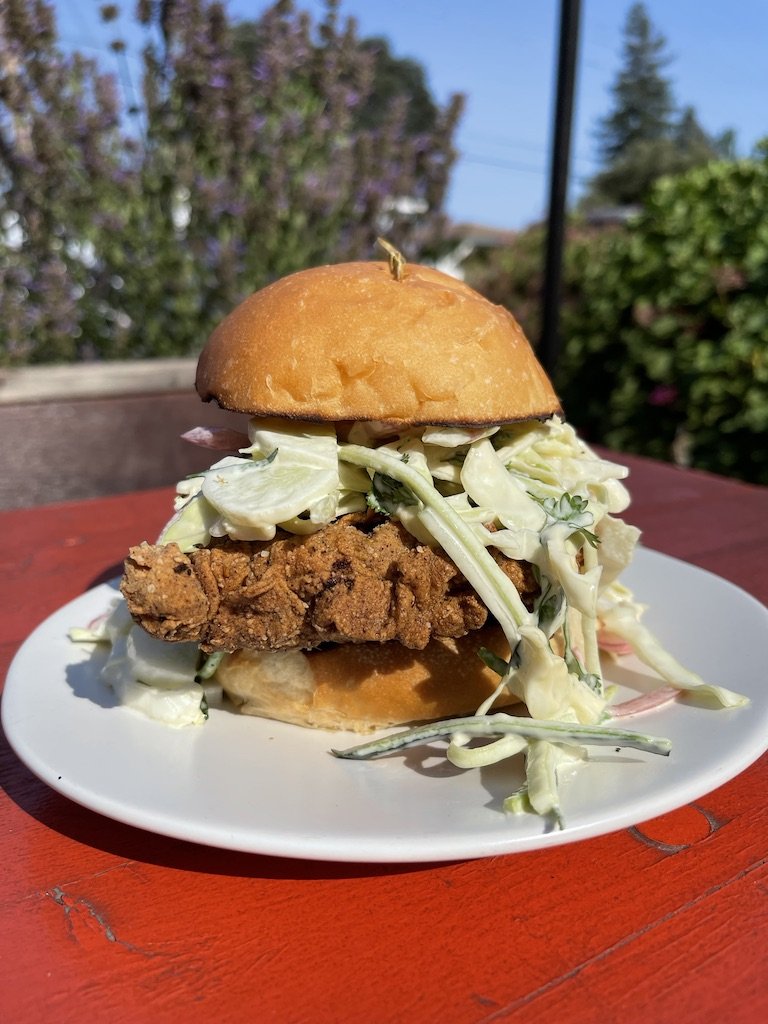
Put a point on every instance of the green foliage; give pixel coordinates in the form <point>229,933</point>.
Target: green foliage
<point>129,229</point>
<point>643,137</point>
<point>642,95</point>
<point>629,178</point>
<point>512,276</point>
<point>665,321</point>
<point>395,79</point>
<point>667,326</point>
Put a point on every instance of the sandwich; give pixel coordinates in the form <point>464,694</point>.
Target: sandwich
<point>405,530</point>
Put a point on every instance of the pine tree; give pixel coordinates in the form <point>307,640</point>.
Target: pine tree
<point>697,144</point>
<point>643,103</point>
<point>644,136</point>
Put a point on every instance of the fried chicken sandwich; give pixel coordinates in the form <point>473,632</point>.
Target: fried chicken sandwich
<point>408,530</point>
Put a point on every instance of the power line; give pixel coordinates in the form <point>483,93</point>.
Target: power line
<point>530,147</point>
<point>513,165</point>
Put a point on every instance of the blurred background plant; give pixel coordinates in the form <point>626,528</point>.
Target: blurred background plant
<point>665,318</point>
<point>254,149</point>
<point>667,331</point>
<point>665,305</point>
<point>645,134</point>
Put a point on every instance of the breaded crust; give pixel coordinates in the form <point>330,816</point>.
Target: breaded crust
<point>361,579</point>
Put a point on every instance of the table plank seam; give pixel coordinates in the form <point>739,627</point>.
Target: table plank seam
<point>550,986</point>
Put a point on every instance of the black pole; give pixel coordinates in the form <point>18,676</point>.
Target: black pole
<point>549,346</point>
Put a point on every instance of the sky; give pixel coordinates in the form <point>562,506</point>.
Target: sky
<point>502,55</point>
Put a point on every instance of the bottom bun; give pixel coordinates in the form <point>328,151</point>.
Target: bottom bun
<point>361,687</point>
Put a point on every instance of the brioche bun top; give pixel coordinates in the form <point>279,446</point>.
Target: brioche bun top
<point>352,341</point>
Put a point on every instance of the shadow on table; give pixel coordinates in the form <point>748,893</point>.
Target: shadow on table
<point>54,811</point>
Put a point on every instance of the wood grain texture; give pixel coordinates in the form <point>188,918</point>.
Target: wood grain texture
<point>667,922</point>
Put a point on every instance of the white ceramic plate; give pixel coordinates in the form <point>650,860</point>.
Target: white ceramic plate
<point>248,784</point>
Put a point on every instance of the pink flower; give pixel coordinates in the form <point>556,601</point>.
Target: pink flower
<point>663,394</point>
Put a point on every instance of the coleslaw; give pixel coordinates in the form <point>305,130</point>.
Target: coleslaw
<point>533,491</point>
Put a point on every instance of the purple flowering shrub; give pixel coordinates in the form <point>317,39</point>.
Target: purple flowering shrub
<point>129,233</point>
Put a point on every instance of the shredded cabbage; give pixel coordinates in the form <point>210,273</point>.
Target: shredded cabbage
<point>154,678</point>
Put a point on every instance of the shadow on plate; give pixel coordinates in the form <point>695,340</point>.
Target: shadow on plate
<point>111,576</point>
<point>84,677</point>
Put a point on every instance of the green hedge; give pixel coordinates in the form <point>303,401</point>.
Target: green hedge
<point>666,329</point>
<point>665,321</point>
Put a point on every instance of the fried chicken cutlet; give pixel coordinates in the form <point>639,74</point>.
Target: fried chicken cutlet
<point>361,579</point>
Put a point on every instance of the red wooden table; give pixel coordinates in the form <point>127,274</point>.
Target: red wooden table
<point>104,922</point>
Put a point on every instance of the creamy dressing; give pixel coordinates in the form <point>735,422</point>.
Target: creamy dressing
<point>154,678</point>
